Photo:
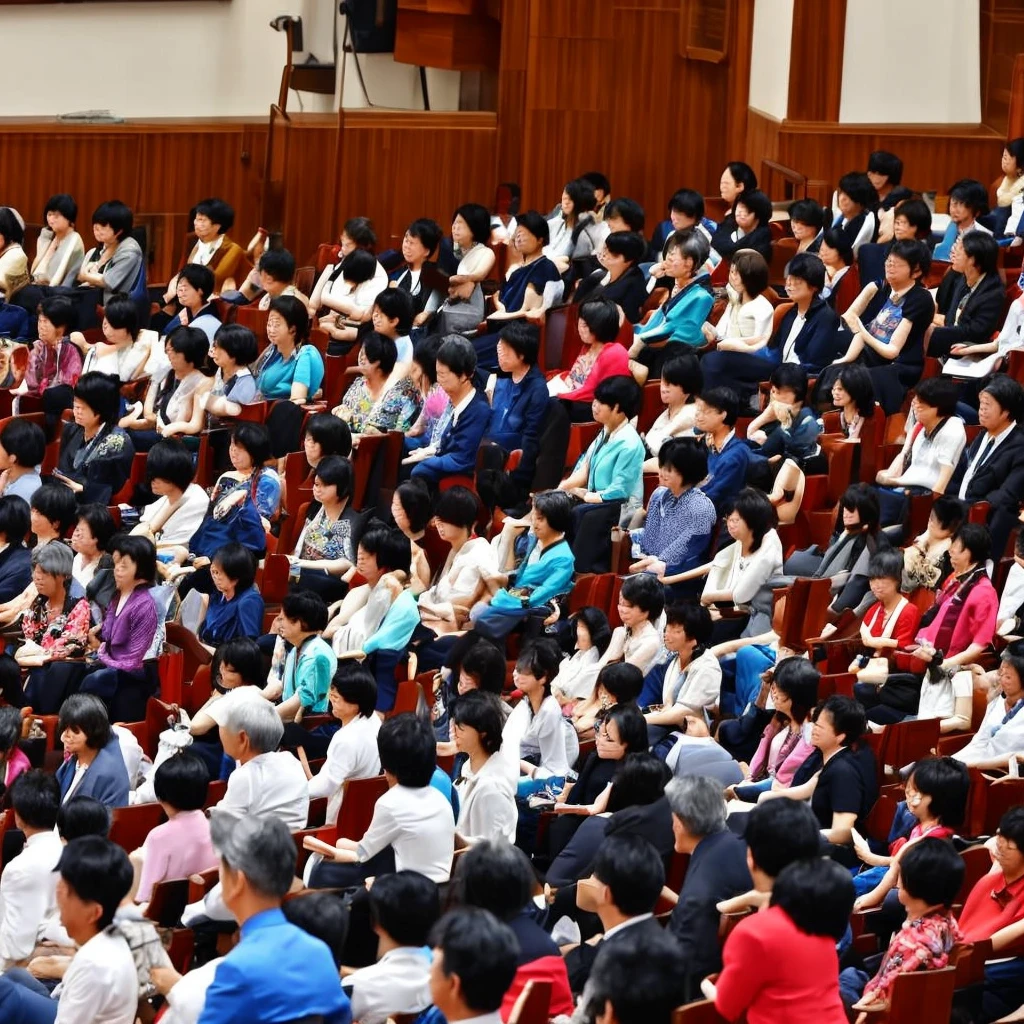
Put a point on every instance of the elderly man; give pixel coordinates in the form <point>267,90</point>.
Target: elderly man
<point>277,972</point>
<point>717,871</point>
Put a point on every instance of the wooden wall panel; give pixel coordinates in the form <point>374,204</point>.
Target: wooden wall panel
<point>310,170</point>
<point>816,70</point>
<point>1002,38</point>
<point>511,105</point>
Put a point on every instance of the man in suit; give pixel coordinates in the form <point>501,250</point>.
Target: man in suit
<point>456,451</point>
<point>970,297</point>
<point>625,882</point>
<point>992,467</point>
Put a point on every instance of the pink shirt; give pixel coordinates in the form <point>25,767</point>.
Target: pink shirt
<point>178,848</point>
<point>17,763</point>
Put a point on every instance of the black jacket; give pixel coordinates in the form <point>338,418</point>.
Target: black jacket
<point>816,342</point>
<point>982,312</point>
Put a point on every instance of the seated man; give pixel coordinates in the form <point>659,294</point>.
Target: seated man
<point>272,277</point>
<point>728,456</point>
<point>969,298</point>
<point>968,199</point>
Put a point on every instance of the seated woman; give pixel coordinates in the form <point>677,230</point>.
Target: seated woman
<point>357,233</point>
<point>325,552</point>
<point>577,674</point>
<point>807,222</point>
<point>926,560</point>
<point>174,404</point>
<point>856,200</point>
<point>22,450</point>
<point>637,641</point>
<point>96,454</point>
<point>13,760</point>
<point>121,352</point>
<point>271,278</point>
<point>682,380</point>
<point>233,351</point>
<point>891,343</point>
<point>463,309</point>
<point>325,435</point>
<point>752,212</point>
<point>59,248</point>
<point>419,246</point>
<point>347,292</point>
<point>411,509</point>
<point>618,683</point>
<point>786,432</point>
<point>472,664</point>
<point>391,316</point>
<point>181,505</point>
<point>92,533</point>
<point>1005,218</point>
<point>117,264</point>
<point>236,609</point>
<point>54,364</point>
<point>194,291</point>
<point>94,766</point>
<point>837,255</point>
<point>620,279</point>
<point>15,556</point>
<point>307,668</point>
<point>574,232</point>
<point>375,402</point>
<point>930,454</point>
<point>677,322</point>
<point>737,178</point>
<point>853,394</point>
<point>14,273</point>
<point>968,200</point>
<point>436,412</point>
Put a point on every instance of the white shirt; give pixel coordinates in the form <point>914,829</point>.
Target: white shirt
<point>938,700</point>
<point>625,924</point>
<point>186,999</point>
<point>932,454</point>
<point>461,575</point>
<point>987,447</point>
<point>487,802</point>
<point>993,738</point>
<point>399,982</point>
<point>545,733</point>
<point>352,754</point>
<point>28,896</point>
<point>577,676</point>
<point>271,784</point>
<point>1012,596</point>
<point>701,686</point>
<point>101,985</point>
<point>749,320</point>
<point>419,824</point>
<point>789,354</point>
<point>185,519</point>
<point>463,405</point>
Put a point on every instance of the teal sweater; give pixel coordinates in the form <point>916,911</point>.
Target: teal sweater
<point>615,465</point>
<point>550,574</point>
<point>679,318</point>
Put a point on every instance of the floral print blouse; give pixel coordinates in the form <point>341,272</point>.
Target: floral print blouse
<point>921,945</point>
<point>267,496</point>
<point>65,635</point>
<point>324,541</point>
<point>396,409</point>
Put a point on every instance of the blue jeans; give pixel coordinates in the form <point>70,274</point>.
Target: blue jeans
<point>20,1004</point>
<point>750,663</point>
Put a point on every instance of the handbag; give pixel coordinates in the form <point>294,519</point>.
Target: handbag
<point>242,524</point>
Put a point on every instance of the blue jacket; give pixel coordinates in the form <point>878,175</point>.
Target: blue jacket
<point>456,452</point>
<point>615,465</point>
<point>106,779</point>
<point>680,318</point>
<point>228,620</point>
<point>517,412</point>
<point>816,343</point>
<point>549,576</point>
<point>727,473</point>
<point>15,570</point>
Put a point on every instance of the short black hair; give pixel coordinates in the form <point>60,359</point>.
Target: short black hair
<point>816,895</point>
<point>169,460</point>
<point>688,202</point>
<point>581,195</point>
<point>458,355</point>
<point>427,231</point>
<point>83,816</point>
<point>278,264</point>
<point>941,393</point>
<point>621,391</point>
<point>932,871</point>
<point>115,215</point>
<point>541,659</point>
<point>182,781</point>
<point>190,342</point>
<point>336,471</point>
<point>219,212</point>
<point>622,680</point>
<point>100,522</point>
<point>687,457</point>
<point>97,871</point>
<point>25,441</point>
<point>792,377</point>
<point>122,314</point>
<point>917,215</point>
<point>860,387</point>
<point>777,836</point>
<point>140,550</point>
<point>238,563</point>
<point>10,227</point>
<point>630,725</point>
<point>477,219</point>
<point>360,230</point>
<point>87,714</point>
<point>324,915</point>
<point>357,685</point>
<point>971,193</point>
<point>633,871</point>
<point>523,339</point>
<point>10,728</point>
<point>480,710</point>
<point>983,249</point>
<point>836,238</point>
<point>55,502</point>
<point>407,750</point>
<point>331,433</point>
<point>307,608</point>
<point>807,266</point>
<point>245,657</point>
<point>915,254</point>
<point>238,343</point>
<point>948,783</point>
<point>35,797</point>
<point>486,664</point>
<point>627,210</point>
<point>881,161</point>
<point>397,304</point>
<point>757,203</point>
<point>15,518</point>
<point>496,876</point>
<point>754,508</point>
<point>752,268</point>
<point>723,400</point>
<point>807,211</point>
<point>101,392</point>
<point>886,565</point>
<point>1011,825</point>
<point>848,718</point>
<point>405,905</point>
<point>684,372</point>
<point>743,174</point>
<point>458,506</point>
<point>556,507</point>
<point>949,511</point>
<point>59,310</point>
<point>295,315</point>
<point>481,951</point>
<point>630,245</point>
<point>645,592</point>
<point>1015,147</point>
<point>414,498</point>
<point>200,277</point>
<point>597,181</point>
<point>255,439</point>
<point>1006,392</point>
<point>975,538</point>
<point>856,185</point>
<point>694,618</point>
<point>63,204</point>
<point>380,349</point>
<point>798,679</point>
<point>602,318</point>
<point>389,546</point>
<point>535,223</point>
<point>359,266</point>
<point>639,782</point>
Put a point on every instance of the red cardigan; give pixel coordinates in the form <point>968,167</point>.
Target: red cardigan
<point>612,361</point>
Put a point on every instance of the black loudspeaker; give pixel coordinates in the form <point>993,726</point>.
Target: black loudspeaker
<point>371,24</point>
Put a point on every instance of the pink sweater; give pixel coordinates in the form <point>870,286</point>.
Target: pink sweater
<point>612,361</point>
<point>178,848</point>
<point>17,763</point>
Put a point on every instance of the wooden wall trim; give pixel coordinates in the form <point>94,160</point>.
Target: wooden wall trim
<point>421,120</point>
<point>816,59</point>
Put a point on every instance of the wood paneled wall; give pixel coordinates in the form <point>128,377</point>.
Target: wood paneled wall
<point>816,67</point>
<point>1002,38</point>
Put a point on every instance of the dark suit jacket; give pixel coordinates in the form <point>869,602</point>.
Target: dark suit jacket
<point>456,451</point>
<point>760,240</point>
<point>106,779</point>
<point>816,342</point>
<point>15,570</point>
<point>580,961</point>
<point>981,315</point>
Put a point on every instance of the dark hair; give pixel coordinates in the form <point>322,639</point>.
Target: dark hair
<point>397,304</point>
<point>983,249</point>
<point>687,457</point>
<point>458,354</point>
<point>753,270</point>
<point>331,433</point>
<point>100,522</point>
<point>238,343</point>
<point>496,876</point>
<point>218,212</point>
<point>807,211</point>
<point>358,266</point>
<point>932,871</point>
<point>97,871</point>
<point>757,512</point>
<point>1005,391</point>
<point>941,393</point>
<point>633,871</point>
<point>860,387</point>
<point>140,550</point>
<point>857,186</point>
<point>631,725</point>
<point>294,314</point>
<point>792,377</point>
<point>336,471</point>
<point>596,623</point>
<point>757,203</point>
<point>244,656</point>
<point>306,608</point>
<point>835,238</point>
<point>917,215</point>
<point>24,441</point>
<point>428,232</point>
<point>723,400</point>
<point>201,278</point>
<point>684,372</point>
<point>481,951</point>
<point>807,266</point>
<point>477,218</point>
<point>35,797</point>
<point>414,498</point>
<point>971,194</point>
<point>602,319</point>
<point>169,460</point>
<point>360,230</point>
<point>914,253</point>
<point>622,680</point>
<point>889,164</point>
<point>10,227</point>
<point>1015,147</point>
<point>59,311</point>
<point>254,438</point>
<point>380,349</point>
<point>886,565</point>
<point>323,915</point>
<point>798,679</point>
<point>114,215</point>
<point>481,711</point>
<point>16,517</point>
<point>817,896</point>
<point>122,314</point>
<point>425,356</point>
<point>54,502</point>
<point>238,563</point>
<point>628,244</point>
<point>458,506</point>
<point>278,264</point>
<point>645,592</point>
<point>949,511</point>
<point>389,546</point>
<point>405,905</point>
<point>976,539</point>
<point>357,685</point>
<point>848,718</point>
<point>83,816</point>
<point>556,508</point>
<point>10,728</point>
<point>523,339</point>
<point>541,659</point>
<point>627,210</point>
<point>486,664</point>
<point>1011,825</point>
<point>639,781</point>
<point>621,391</point>
<point>780,835</point>
<point>688,202</point>
<point>948,783</point>
<point>87,714</point>
<point>695,620</point>
<point>581,195</point>
<point>63,204</point>
<point>101,392</point>
<point>182,781</point>
<point>533,222</point>
<point>407,750</point>
<point>743,174</point>
<point>597,181</point>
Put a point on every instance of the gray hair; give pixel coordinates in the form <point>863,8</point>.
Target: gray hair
<point>698,802</point>
<point>55,559</point>
<point>259,721</point>
<point>262,849</point>
<point>692,245</point>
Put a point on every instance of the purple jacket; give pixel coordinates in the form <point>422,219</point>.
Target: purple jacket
<point>128,635</point>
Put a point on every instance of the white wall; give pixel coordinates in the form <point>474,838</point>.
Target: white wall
<point>183,58</point>
<point>913,61</point>
<point>770,54</point>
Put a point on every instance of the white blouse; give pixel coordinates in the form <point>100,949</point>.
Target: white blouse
<point>577,676</point>
<point>461,575</point>
<point>745,320</point>
<point>546,733</point>
<point>352,754</point>
<point>487,802</point>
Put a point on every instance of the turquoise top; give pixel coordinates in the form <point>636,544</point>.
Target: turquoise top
<point>311,679</point>
<point>275,376</point>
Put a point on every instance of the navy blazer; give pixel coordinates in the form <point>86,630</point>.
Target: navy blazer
<point>456,451</point>
<point>15,570</point>
<point>106,779</point>
<point>816,342</point>
<point>516,418</point>
<point>982,312</point>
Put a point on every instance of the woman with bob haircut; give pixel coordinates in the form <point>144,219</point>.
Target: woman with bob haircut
<point>236,609</point>
<point>412,510</point>
<point>59,249</point>
<point>751,213</point>
<point>212,219</point>
<point>348,292</point>
<point>233,351</point>
<point>853,394</point>
<point>574,232</point>
<point>419,247</point>
<point>15,558</point>
<point>325,435</point>
<point>289,367</point>
<point>487,795</point>
<point>96,454</point>
<point>14,273</point>
<point>92,533</point>
<point>376,403</point>
<point>526,280</point>
<point>94,766</point>
<point>807,221</point>
<point>599,358</point>
<point>737,179</point>
<point>577,674</point>
<point>22,450</point>
<point>117,263</point>
<point>682,380</point>
<point>463,309</point>
<point>194,291</point>
<point>181,504</point>
<point>619,278</point>
<point>121,352</point>
<point>856,201</point>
